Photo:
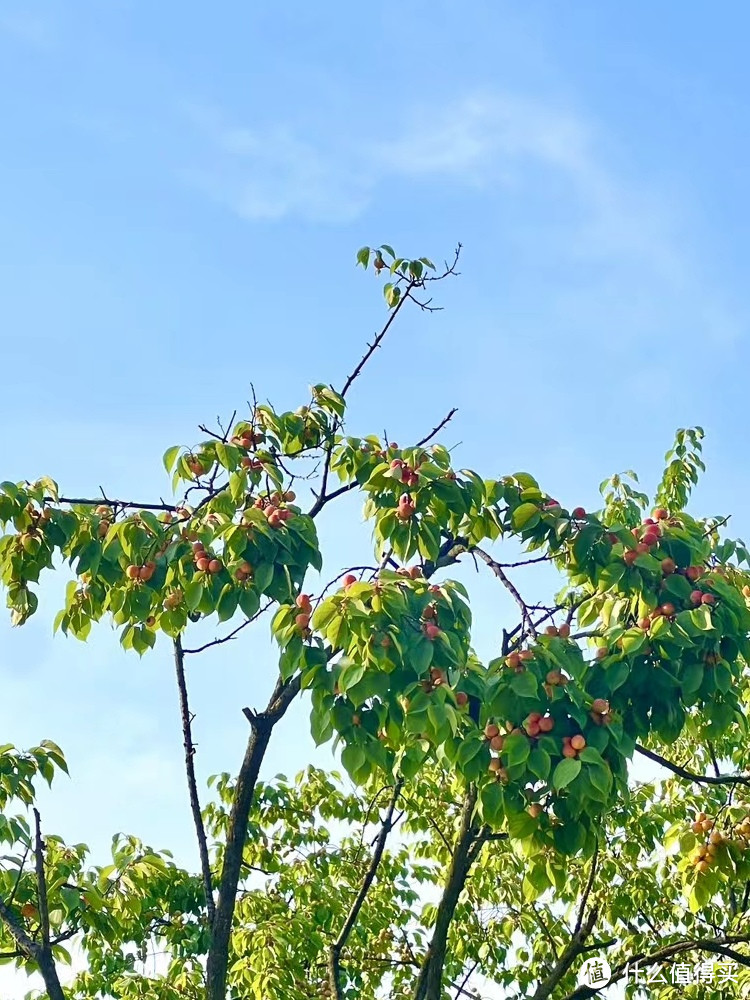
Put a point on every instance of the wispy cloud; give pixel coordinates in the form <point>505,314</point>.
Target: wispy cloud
<point>579,202</point>
<point>273,173</point>
<point>483,141</point>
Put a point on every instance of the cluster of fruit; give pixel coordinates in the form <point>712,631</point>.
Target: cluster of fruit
<point>572,745</point>
<point>601,714</point>
<point>247,439</point>
<point>197,466</point>
<point>409,476</point>
<point>106,516</point>
<point>706,853</point>
<point>272,507</point>
<point>304,604</point>
<point>144,572</point>
<point>204,561</point>
<point>406,508</point>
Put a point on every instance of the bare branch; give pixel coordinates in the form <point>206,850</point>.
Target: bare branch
<point>231,635</point>
<point>195,805</point>
<point>497,569</point>
<point>436,430</point>
<point>587,890</point>
<point>429,984</point>
<point>702,779</point>
<point>334,955</point>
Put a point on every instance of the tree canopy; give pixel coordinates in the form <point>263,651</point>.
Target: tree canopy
<point>488,835</point>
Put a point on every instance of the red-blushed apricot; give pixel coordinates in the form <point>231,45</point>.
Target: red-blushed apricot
<point>578,742</point>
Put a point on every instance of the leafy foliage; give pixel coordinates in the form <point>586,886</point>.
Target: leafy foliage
<point>516,769</point>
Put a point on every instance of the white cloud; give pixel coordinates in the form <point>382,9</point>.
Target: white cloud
<point>272,173</point>
<point>483,140</point>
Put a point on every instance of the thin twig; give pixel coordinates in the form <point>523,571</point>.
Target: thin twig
<point>436,430</point>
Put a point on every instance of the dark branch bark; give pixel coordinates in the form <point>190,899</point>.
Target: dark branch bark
<point>497,569</point>
<point>702,779</point>
<point>262,725</point>
<point>436,430</point>
<point>568,957</point>
<point>378,338</point>
<point>130,504</point>
<point>429,983</point>
<point>195,804</point>
<point>41,880</point>
<point>37,951</point>
<point>334,955</point>
<point>587,891</point>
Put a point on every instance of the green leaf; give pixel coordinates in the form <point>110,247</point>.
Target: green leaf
<point>525,685</point>
<point>170,457</point>
<point>517,749</point>
<point>526,515</point>
<point>540,763</point>
<point>566,771</point>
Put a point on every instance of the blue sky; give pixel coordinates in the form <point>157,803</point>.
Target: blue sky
<point>182,192</point>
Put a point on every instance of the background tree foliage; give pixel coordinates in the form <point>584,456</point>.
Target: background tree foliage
<point>490,836</point>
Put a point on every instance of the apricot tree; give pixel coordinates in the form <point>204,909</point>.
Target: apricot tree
<point>643,649</point>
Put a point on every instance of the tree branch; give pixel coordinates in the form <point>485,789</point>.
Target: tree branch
<point>41,953</point>
<point>568,957</point>
<point>497,569</point>
<point>262,724</point>
<point>195,805</point>
<point>719,946</point>
<point>378,338</point>
<point>703,779</point>
<point>429,983</point>
<point>334,954</point>
<point>438,428</point>
<point>587,890</point>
